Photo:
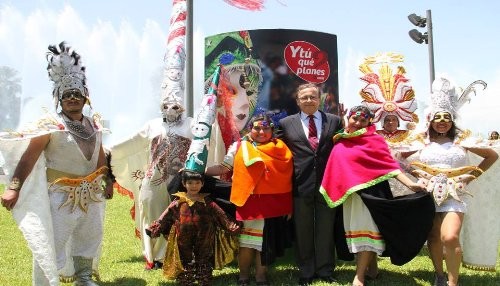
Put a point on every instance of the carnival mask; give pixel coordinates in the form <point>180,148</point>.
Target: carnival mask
<point>172,112</point>
<point>442,117</point>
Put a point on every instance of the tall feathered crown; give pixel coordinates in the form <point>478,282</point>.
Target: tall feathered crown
<point>66,71</point>
<point>446,97</point>
<point>387,92</point>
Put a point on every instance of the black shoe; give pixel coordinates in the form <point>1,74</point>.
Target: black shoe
<point>328,279</point>
<point>305,281</point>
<point>157,265</point>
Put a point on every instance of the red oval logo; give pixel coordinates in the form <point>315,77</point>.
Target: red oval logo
<point>307,61</point>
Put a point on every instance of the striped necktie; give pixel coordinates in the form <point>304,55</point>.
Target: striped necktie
<point>313,133</point>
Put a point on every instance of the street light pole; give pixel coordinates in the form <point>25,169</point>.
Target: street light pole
<point>430,44</point>
<point>420,38</point>
<point>189,56</point>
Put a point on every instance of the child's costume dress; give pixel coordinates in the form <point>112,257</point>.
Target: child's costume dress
<point>199,238</point>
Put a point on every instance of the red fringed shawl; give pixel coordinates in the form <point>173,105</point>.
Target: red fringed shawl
<point>357,161</point>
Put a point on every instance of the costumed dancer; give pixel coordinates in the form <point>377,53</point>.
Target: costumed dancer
<point>145,163</point>
<point>442,162</point>
<point>389,96</point>
<point>356,177</point>
<point>203,237</point>
<point>391,99</point>
<point>64,225</point>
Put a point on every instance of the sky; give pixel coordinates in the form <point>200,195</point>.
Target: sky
<point>122,43</point>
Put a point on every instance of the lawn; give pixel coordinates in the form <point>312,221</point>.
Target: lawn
<point>122,263</point>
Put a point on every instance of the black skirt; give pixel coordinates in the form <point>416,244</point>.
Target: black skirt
<point>404,221</point>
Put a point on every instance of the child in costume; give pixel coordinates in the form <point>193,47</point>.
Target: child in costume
<point>356,176</point>
<point>192,224</point>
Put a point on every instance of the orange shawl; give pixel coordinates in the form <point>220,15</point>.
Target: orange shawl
<point>261,169</point>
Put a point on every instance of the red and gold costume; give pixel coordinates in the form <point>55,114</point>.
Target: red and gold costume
<point>198,238</point>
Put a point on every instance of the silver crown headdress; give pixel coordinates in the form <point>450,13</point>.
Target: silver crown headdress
<point>446,97</point>
<point>66,71</point>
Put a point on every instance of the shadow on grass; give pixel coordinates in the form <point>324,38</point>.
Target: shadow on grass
<point>134,259</point>
<point>126,281</point>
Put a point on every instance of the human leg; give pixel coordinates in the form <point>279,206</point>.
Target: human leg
<point>152,202</point>
<point>450,237</point>
<point>324,251</point>
<point>303,216</point>
<point>435,247</point>
<point>64,222</point>
<point>260,270</point>
<point>363,260</point>
<point>87,239</point>
<point>245,258</point>
<point>372,269</point>
<point>83,271</point>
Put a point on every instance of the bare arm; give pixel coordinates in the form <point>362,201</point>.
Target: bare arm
<point>216,170</point>
<point>409,183</point>
<point>489,157</point>
<point>23,169</point>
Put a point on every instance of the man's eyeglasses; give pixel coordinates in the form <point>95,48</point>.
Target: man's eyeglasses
<point>311,98</point>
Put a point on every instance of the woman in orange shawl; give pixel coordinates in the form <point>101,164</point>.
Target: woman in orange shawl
<point>261,190</point>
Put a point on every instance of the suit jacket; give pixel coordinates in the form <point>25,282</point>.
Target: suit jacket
<point>309,165</point>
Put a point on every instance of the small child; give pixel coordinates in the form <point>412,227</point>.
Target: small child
<point>190,224</point>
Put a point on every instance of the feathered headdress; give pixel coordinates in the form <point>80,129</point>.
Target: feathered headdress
<point>66,71</point>
<point>446,97</point>
<point>387,93</point>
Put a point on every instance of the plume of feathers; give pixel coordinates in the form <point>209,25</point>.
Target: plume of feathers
<point>65,69</point>
<point>471,89</point>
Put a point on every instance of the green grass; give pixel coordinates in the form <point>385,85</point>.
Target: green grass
<point>122,263</point>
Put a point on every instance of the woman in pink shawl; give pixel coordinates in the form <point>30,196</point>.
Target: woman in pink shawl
<point>375,223</point>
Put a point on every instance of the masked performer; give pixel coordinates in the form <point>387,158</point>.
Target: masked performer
<point>64,226</point>
<point>442,162</point>
<point>145,163</point>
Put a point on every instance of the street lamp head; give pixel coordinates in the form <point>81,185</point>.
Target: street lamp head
<point>417,20</point>
<point>418,37</point>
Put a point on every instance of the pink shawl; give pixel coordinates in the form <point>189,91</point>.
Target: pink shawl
<point>358,160</point>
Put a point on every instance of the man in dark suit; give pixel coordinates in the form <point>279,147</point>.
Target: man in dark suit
<point>313,219</point>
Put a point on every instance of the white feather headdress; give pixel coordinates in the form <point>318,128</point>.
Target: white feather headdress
<point>66,71</point>
<point>447,97</point>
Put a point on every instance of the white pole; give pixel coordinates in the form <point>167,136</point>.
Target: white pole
<point>189,58</point>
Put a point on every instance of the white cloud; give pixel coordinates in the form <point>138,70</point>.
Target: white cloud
<point>121,62</point>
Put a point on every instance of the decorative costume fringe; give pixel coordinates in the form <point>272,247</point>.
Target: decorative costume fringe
<point>172,266</point>
<point>226,248</point>
<point>479,267</point>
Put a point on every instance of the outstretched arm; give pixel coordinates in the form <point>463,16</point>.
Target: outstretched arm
<point>23,169</point>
